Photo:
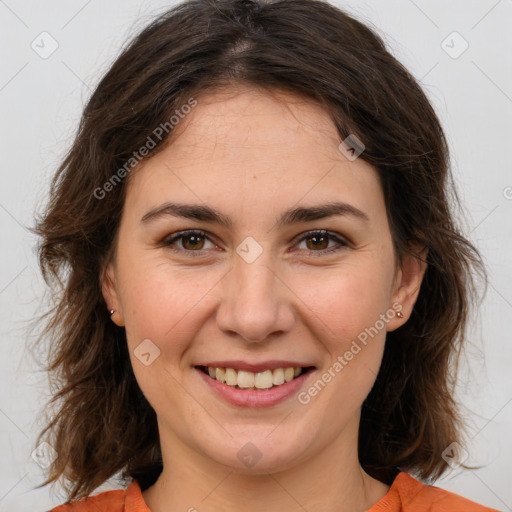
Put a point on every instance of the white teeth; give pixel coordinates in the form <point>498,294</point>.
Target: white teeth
<point>220,374</point>
<point>231,377</point>
<point>288,374</point>
<point>245,379</point>
<point>250,380</point>
<point>263,380</point>
<point>278,377</point>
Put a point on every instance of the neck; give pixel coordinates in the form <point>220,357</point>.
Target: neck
<point>331,481</point>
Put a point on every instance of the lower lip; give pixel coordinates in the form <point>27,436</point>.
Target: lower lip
<point>253,398</point>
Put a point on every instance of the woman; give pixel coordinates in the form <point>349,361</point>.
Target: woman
<point>265,285</point>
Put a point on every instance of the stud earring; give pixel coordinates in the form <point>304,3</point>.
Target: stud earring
<point>399,314</point>
<point>112,311</point>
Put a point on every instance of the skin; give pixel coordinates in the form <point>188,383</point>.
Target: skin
<point>253,154</point>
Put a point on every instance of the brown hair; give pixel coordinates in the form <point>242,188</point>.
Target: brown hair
<point>102,424</point>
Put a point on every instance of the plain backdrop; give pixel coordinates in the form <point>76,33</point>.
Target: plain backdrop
<point>460,51</point>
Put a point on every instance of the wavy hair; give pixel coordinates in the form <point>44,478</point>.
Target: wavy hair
<point>101,423</point>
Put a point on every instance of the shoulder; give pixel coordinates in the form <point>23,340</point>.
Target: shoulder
<point>410,495</point>
<point>113,501</point>
<point>119,500</point>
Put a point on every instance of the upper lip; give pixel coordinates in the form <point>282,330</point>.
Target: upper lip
<point>255,367</point>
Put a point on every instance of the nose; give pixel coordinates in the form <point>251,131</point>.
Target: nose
<point>256,304</point>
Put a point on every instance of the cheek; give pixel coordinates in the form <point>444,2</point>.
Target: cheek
<point>343,301</point>
<point>163,303</point>
<point>346,319</point>
<point>344,314</point>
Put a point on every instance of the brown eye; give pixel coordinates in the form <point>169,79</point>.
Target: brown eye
<point>188,242</point>
<point>318,242</point>
<point>192,241</point>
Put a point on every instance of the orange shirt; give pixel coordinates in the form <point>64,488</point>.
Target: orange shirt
<point>406,494</point>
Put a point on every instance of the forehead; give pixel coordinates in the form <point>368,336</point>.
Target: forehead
<point>228,117</point>
<point>269,147</point>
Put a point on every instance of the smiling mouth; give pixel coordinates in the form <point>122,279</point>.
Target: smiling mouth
<point>267,379</point>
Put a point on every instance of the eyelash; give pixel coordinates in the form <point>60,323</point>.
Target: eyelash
<point>183,234</point>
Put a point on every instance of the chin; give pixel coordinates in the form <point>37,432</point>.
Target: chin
<point>259,453</point>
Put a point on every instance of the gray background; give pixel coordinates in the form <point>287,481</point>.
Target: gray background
<point>41,101</point>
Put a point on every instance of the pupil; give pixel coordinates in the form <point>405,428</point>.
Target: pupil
<point>191,237</point>
<point>316,239</point>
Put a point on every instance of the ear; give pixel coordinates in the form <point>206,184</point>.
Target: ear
<point>110,294</point>
<point>408,279</point>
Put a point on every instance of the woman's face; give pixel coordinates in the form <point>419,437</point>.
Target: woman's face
<point>262,290</point>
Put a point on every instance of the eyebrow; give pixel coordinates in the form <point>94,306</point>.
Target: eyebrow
<point>291,216</point>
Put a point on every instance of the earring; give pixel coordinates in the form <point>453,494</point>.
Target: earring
<point>119,323</point>
<point>399,314</point>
